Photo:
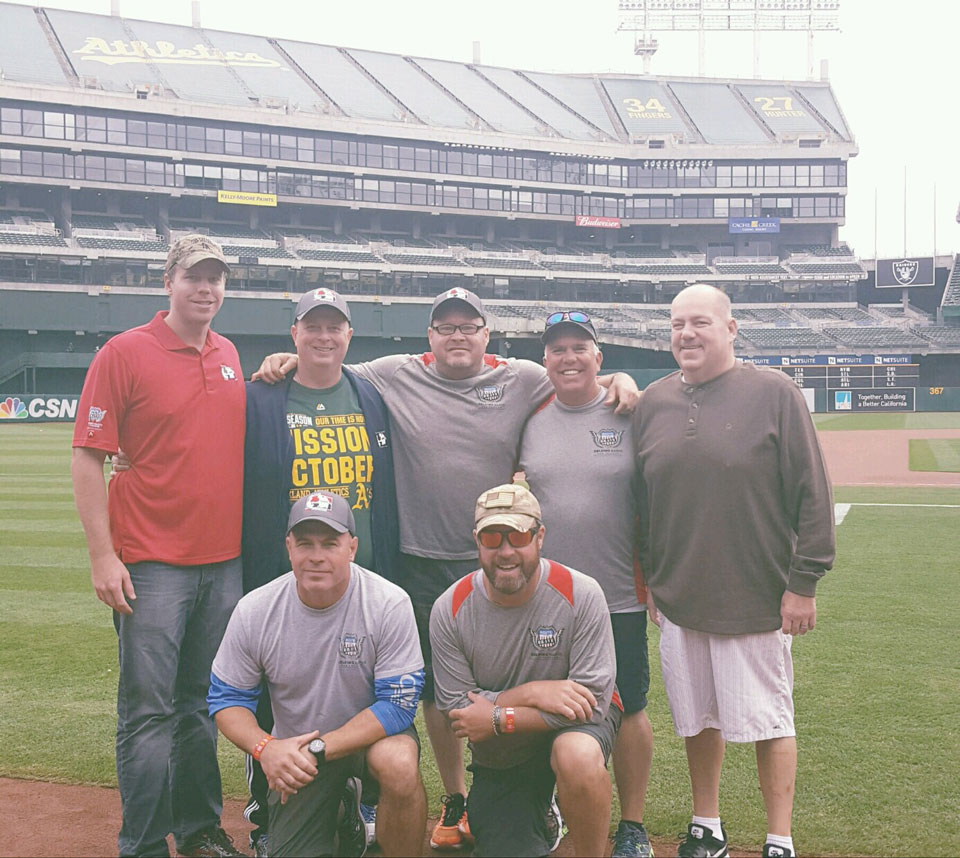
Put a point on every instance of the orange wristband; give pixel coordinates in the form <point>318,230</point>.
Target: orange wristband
<point>509,720</point>
<point>266,740</point>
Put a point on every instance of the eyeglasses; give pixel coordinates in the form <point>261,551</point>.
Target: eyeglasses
<point>568,316</point>
<point>517,538</point>
<point>446,330</point>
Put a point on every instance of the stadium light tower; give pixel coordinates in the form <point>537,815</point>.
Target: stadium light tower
<point>646,17</point>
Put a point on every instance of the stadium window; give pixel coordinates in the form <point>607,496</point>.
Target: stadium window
<point>481,199</point>
<point>154,172</point>
<point>500,166</point>
<point>842,176</point>
<point>830,175</point>
<point>371,190</point>
<point>406,158</point>
<point>553,203</point>
<point>179,180</point>
<point>816,175</point>
<point>422,160</point>
<point>10,122</point>
<point>157,135</point>
<point>136,172</point>
<point>116,131</point>
<point>688,207</point>
<point>339,152</point>
<point>567,204</point>
<point>708,177</point>
<point>528,169</point>
<point>484,165</point>
<point>788,176</point>
<point>641,208</point>
<point>371,155</point>
<point>822,207</point>
<point>249,180</point>
<point>454,164</point>
<point>196,138</point>
<point>771,176</point>
<point>496,199</point>
<point>721,208</point>
<point>704,207</point>
<point>540,202</point>
<point>470,163</point>
<point>32,123</point>
<point>288,147</point>
<point>658,207</point>
<point>215,141</point>
<point>387,191</point>
<point>136,132</point>
<point>304,148</point>
<point>805,208</point>
<point>96,129</point>
<point>319,187</point>
<point>616,176</point>
<point>558,171</point>
<point>419,193</point>
<point>194,175</point>
<point>251,144</point>
<point>803,175</point>
<point>660,178</point>
<point>391,157</point>
<point>465,198</point>
<point>10,162</point>
<point>231,178</point>
<point>447,196</point>
<point>323,150</point>
<point>544,169</point>
<point>94,168</point>
<point>53,125</point>
<point>353,152</point>
<point>573,172</point>
<point>841,206</point>
<point>524,201</point>
<point>403,193</point>
<point>724,176</point>
<point>739,176</point>
<point>115,169</point>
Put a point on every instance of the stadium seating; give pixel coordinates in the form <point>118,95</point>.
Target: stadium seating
<point>939,334</point>
<point>826,268</point>
<point>421,259</point>
<point>517,263</point>
<point>31,239</point>
<point>785,338</point>
<point>680,269</point>
<point>256,250</point>
<point>81,220</point>
<point>951,295</point>
<point>575,264</point>
<point>127,244</point>
<point>770,268</point>
<point>221,230</point>
<point>875,337</point>
<point>337,255</point>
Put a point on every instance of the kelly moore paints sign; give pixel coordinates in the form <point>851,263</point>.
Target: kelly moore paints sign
<point>905,271</point>
<point>38,409</point>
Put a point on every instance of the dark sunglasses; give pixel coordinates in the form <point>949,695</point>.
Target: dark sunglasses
<point>568,316</point>
<point>517,538</point>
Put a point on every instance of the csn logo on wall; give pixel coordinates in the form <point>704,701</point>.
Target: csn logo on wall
<point>39,409</point>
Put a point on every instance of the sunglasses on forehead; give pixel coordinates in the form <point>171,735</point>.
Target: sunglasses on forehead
<point>517,538</point>
<point>567,316</point>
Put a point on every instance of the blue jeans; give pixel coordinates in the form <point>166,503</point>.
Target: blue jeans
<point>166,742</point>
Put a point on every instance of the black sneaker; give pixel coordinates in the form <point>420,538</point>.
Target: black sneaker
<point>351,831</point>
<point>771,851</point>
<point>700,843</point>
<point>214,843</point>
<point>556,827</point>
<point>631,841</point>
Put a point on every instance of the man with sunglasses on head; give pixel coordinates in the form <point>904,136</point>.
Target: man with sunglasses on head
<point>457,414</point>
<point>575,440</point>
<point>523,660</point>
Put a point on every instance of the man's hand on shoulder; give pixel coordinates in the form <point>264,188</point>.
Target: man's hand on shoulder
<point>475,721</point>
<point>275,367</point>
<point>623,392</point>
<point>288,764</point>
<point>111,580</point>
<point>799,613</point>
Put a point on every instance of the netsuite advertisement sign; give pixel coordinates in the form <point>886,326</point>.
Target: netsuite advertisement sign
<point>38,409</point>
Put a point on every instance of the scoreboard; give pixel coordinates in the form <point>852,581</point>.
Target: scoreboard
<point>834,377</point>
<point>853,382</point>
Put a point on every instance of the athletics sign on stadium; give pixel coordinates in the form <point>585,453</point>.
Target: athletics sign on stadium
<point>904,271</point>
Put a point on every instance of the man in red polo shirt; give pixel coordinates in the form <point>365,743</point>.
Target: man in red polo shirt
<point>164,549</point>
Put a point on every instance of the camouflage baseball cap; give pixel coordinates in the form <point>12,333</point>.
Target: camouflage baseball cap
<point>509,504</point>
<point>190,249</point>
<point>327,507</point>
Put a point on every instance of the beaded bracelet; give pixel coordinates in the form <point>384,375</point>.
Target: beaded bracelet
<point>496,720</point>
<point>266,740</point>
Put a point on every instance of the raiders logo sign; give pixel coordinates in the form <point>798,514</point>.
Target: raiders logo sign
<point>905,271</point>
<point>606,439</point>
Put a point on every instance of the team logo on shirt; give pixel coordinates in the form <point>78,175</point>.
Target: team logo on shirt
<point>490,392</point>
<point>96,417</point>
<point>227,372</point>
<point>351,646</point>
<point>403,692</point>
<point>295,420</point>
<point>607,439</point>
<point>546,637</point>
<point>381,439</point>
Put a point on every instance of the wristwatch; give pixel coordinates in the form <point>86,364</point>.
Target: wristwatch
<point>319,749</point>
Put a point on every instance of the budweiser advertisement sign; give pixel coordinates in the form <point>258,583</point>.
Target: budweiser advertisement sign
<point>598,222</point>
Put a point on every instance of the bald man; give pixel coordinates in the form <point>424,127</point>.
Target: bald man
<point>737,529</point>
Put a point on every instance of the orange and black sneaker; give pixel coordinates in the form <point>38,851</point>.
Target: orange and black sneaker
<point>449,832</point>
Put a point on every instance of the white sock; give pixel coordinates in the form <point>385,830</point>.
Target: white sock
<point>711,824</point>
<point>781,841</point>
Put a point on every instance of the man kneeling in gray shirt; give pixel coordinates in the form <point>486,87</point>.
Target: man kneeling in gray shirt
<point>337,647</point>
<point>524,667</point>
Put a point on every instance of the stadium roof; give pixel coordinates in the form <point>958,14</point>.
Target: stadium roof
<point>84,52</point>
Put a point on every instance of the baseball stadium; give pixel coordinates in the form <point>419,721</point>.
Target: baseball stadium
<point>391,179</point>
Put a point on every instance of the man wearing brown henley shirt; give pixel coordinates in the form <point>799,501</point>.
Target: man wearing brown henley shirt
<point>737,514</point>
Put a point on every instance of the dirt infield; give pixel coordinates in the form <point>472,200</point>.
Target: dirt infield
<point>881,457</point>
<point>48,820</point>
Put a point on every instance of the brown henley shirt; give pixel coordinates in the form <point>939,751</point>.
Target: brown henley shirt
<point>736,505</point>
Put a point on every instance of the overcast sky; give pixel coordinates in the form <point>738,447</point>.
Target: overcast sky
<point>895,77</point>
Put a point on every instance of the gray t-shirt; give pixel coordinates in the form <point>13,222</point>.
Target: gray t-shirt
<point>320,665</point>
<point>562,632</point>
<point>579,463</point>
<point>454,440</point>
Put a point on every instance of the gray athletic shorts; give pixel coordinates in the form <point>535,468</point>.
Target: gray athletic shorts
<point>507,808</point>
<point>307,823</point>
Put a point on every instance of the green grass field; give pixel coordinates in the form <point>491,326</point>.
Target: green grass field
<point>877,688</point>
<point>935,454</point>
<point>867,420</point>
